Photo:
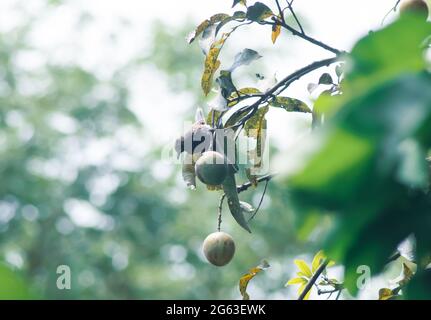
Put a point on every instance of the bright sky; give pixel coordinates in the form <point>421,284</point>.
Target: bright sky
<point>338,22</point>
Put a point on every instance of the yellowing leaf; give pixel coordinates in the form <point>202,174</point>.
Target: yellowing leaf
<point>296,280</point>
<point>212,63</point>
<point>199,29</point>
<point>317,260</point>
<point>276,30</point>
<point>385,294</point>
<point>303,267</point>
<point>407,275</point>
<point>255,127</point>
<point>213,114</point>
<point>290,104</point>
<point>245,279</point>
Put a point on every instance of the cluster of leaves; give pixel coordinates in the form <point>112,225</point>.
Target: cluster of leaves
<point>370,173</point>
<point>239,108</point>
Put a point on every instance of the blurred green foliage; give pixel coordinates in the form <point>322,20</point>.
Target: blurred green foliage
<point>370,172</point>
<point>74,190</point>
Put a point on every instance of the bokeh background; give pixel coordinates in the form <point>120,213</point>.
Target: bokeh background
<point>91,93</point>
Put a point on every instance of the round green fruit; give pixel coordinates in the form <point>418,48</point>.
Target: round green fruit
<point>211,168</point>
<point>219,248</point>
<point>418,7</point>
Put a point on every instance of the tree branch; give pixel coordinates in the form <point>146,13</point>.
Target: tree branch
<point>220,209</point>
<point>290,7</point>
<point>260,202</point>
<point>283,84</point>
<point>313,279</point>
<point>307,38</point>
<point>247,185</point>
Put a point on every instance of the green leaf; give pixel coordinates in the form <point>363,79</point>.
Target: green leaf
<point>258,12</point>
<point>419,288</point>
<point>325,79</point>
<point>389,52</point>
<point>226,85</point>
<point>245,279</point>
<point>13,286</point>
<point>243,2</point>
<point>290,104</point>
<point>244,57</point>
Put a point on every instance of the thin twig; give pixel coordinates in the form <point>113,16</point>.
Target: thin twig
<point>247,185</point>
<point>280,11</point>
<point>305,37</point>
<point>319,292</point>
<point>260,202</point>
<point>313,279</point>
<point>289,5</point>
<point>394,9</point>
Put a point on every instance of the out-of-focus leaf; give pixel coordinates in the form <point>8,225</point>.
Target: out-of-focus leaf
<point>245,279</point>
<point>12,285</point>
<point>290,104</point>
<point>339,69</point>
<point>296,280</point>
<point>387,53</point>
<point>406,275</point>
<point>385,294</point>
<point>259,12</point>
<point>419,288</point>
<point>276,30</point>
<point>303,267</point>
<point>325,79</point>
<point>244,57</point>
<point>317,260</point>
<point>212,64</point>
<point>235,2</point>
<point>311,87</point>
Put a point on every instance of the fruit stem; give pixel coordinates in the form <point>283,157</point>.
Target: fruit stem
<point>220,209</point>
